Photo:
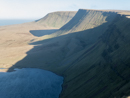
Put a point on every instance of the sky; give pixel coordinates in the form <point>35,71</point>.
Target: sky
<point>36,9</point>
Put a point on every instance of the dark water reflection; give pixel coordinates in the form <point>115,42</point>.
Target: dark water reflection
<point>30,83</point>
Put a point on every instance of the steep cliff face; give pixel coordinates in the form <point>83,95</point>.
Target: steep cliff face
<point>84,20</point>
<point>102,70</point>
<point>91,52</point>
<point>56,19</point>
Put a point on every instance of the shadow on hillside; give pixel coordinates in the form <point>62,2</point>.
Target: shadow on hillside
<point>40,33</point>
<point>52,51</point>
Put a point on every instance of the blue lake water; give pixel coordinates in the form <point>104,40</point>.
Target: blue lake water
<point>4,22</point>
<point>30,83</point>
<point>2,68</point>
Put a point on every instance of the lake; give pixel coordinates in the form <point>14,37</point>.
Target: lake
<point>30,83</point>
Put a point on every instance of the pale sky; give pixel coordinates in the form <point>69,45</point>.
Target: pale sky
<point>35,9</point>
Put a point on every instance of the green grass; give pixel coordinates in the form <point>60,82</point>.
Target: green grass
<point>57,19</point>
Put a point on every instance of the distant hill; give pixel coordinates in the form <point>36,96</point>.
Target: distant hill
<point>56,19</point>
<point>91,52</point>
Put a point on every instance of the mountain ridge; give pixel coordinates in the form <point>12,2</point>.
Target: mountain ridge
<point>56,19</point>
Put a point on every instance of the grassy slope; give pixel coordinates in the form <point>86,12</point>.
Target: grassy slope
<point>57,19</point>
<point>85,19</point>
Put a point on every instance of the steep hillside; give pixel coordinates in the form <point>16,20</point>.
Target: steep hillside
<point>57,19</point>
<point>84,20</point>
<point>102,70</point>
<point>91,52</point>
